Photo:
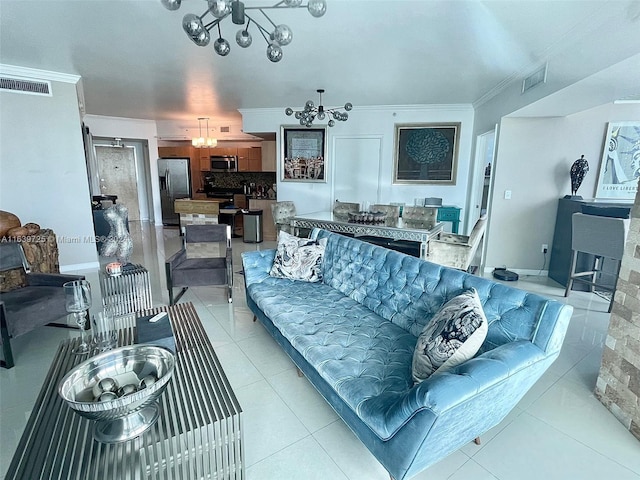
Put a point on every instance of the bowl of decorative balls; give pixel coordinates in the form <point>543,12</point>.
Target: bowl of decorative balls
<point>119,389</point>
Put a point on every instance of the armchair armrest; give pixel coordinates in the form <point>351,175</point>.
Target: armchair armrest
<point>176,259</point>
<point>51,279</point>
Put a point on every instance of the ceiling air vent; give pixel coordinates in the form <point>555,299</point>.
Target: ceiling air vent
<point>25,86</point>
<point>536,78</point>
<point>225,129</point>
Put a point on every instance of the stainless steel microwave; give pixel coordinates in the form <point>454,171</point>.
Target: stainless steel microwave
<point>227,163</point>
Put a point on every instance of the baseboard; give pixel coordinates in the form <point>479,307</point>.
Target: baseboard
<point>79,267</point>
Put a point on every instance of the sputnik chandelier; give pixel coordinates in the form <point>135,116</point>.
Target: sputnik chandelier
<point>276,38</point>
<point>311,112</point>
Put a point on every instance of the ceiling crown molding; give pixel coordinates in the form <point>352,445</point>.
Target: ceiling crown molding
<point>34,73</point>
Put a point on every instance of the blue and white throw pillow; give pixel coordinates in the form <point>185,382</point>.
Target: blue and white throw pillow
<point>452,336</point>
<point>298,258</point>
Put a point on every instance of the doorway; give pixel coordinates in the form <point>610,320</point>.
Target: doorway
<point>122,167</point>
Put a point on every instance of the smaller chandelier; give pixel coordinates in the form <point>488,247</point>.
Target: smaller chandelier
<point>201,141</point>
<point>311,112</point>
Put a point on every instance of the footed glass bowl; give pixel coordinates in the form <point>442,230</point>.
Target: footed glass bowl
<point>119,389</point>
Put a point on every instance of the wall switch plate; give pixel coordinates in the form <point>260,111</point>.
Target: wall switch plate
<point>507,194</point>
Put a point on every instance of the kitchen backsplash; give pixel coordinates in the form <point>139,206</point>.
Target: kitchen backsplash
<point>239,179</point>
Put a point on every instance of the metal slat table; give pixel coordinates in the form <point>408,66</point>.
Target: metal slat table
<point>197,436</point>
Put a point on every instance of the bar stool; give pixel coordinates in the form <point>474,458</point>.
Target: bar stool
<point>603,237</point>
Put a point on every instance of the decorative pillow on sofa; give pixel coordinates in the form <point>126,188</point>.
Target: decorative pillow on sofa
<point>453,336</point>
<point>298,258</point>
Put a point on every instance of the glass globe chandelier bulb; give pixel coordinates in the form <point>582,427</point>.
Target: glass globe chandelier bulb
<point>222,47</point>
<point>309,105</point>
<point>321,115</point>
<point>292,3</point>
<point>345,117</point>
<point>303,122</point>
<point>298,115</point>
<point>192,25</point>
<point>219,8</point>
<point>348,106</point>
<point>274,52</point>
<point>288,111</point>
<point>317,8</point>
<point>331,123</point>
<point>202,39</point>
<point>171,4</point>
<point>282,35</point>
<point>243,38</point>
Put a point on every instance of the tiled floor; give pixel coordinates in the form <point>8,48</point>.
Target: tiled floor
<point>558,431</point>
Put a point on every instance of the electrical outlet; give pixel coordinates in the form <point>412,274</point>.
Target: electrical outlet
<point>545,248</point>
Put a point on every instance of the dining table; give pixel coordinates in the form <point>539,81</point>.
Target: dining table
<point>391,228</point>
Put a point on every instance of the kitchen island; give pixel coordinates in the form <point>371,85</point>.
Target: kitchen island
<point>197,212</point>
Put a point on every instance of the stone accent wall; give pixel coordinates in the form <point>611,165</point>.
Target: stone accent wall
<point>618,384</point>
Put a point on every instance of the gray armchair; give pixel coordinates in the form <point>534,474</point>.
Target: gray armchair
<point>205,259</point>
<point>38,300</point>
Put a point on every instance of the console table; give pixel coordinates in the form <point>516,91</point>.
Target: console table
<point>198,434</point>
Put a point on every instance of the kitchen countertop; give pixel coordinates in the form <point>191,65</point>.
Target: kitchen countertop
<point>209,206</point>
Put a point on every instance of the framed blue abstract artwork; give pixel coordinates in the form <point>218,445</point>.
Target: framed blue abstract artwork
<point>426,153</point>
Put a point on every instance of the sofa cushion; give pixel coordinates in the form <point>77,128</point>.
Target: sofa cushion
<point>298,258</point>
<point>359,354</point>
<point>453,336</point>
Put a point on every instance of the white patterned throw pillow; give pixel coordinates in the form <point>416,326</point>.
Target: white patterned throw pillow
<point>298,258</point>
<point>452,336</point>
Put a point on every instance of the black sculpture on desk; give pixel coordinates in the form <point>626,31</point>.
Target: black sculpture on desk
<point>118,242</point>
<point>578,170</point>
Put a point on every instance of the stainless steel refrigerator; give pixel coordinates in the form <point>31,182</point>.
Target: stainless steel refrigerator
<point>175,182</point>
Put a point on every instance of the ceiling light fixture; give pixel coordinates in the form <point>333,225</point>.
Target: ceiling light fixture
<point>277,38</point>
<point>311,112</point>
<point>203,141</point>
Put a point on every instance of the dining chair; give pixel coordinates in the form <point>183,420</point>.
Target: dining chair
<point>457,251</point>
<point>432,202</point>
<point>392,211</point>
<point>420,217</point>
<point>283,212</point>
<point>342,209</point>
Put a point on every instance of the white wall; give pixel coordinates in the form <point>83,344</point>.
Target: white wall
<point>534,157</point>
<point>101,126</point>
<point>43,175</point>
<point>377,122</point>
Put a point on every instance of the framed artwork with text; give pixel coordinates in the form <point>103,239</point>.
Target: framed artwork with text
<point>303,157</point>
<point>620,165</point>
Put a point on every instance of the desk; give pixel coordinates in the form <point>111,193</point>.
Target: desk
<point>198,433</point>
<point>396,230</point>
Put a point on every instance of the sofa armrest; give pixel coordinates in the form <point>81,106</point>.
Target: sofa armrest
<point>257,265</point>
<point>463,385</point>
<point>51,279</point>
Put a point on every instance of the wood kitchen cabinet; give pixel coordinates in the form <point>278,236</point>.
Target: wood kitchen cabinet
<point>250,159</point>
<point>182,151</point>
<point>202,157</point>
<point>223,151</point>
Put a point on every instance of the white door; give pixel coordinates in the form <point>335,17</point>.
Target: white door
<point>356,169</point>
<point>482,170</point>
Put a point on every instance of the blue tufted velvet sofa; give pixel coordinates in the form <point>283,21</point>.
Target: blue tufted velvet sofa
<point>353,336</point>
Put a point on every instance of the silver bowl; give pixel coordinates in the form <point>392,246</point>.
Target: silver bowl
<point>149,368</point>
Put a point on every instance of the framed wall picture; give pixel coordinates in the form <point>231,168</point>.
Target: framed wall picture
<point>620,164</point>
<point>426,153</point>
<point>303,157</point>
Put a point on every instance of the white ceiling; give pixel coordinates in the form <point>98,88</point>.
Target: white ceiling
<point>136,62</point>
